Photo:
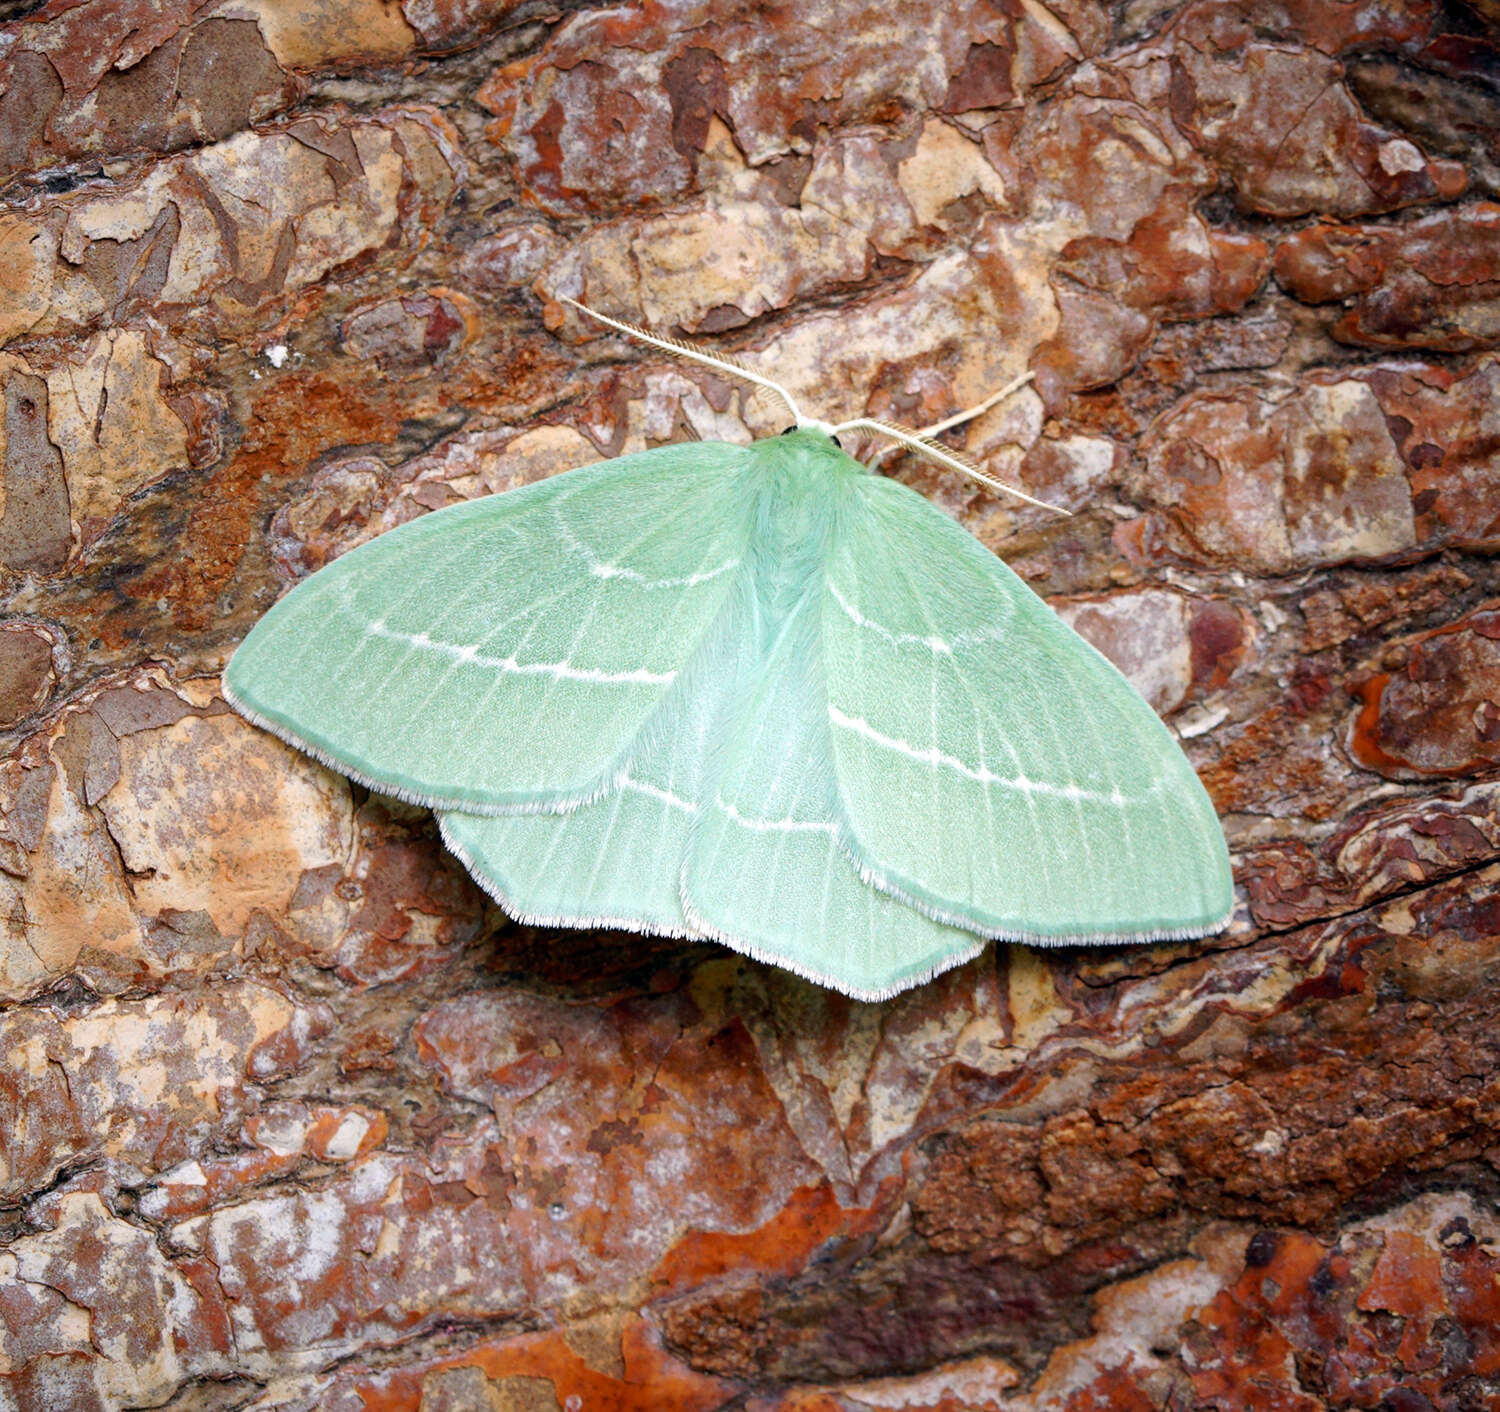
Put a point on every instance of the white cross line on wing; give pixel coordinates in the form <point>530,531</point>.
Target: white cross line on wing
<point>601,570</point>
<point>562,671</point>
<point>982,775</point>
<point>771,825</point>
<point>896,639</point>
<point>938,646</point>
<point>614,571</point>
<point>653,791</point>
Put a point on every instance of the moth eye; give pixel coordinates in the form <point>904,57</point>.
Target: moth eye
<point>837,442</point>
<point>787,430</point>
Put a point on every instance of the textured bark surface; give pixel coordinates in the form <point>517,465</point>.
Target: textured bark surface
<point>290,1117</point>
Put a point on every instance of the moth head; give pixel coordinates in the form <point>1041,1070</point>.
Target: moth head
<point>813,424</point>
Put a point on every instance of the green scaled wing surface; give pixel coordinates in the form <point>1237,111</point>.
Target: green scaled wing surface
<point>726,823</point>
<point>754,694</point>
<point>504,652</point>
<point>992,767</point>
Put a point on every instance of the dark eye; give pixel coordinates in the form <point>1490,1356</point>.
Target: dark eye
<point>787,430</point>
<point>837,442</point>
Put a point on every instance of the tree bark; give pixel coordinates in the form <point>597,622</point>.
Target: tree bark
<point>292,1117</point>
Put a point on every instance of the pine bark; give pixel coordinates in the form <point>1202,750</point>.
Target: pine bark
<point>292,1117</point>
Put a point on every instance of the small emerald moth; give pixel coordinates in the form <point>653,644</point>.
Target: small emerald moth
<point>749,693</point>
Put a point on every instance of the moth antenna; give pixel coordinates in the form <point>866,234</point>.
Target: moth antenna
<point>945,456</point>
<point>681,349</point>
<point>967,415</point>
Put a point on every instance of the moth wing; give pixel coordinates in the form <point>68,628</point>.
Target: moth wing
<point>615,861</point>
<point>503,653</point>
<point>767,872</point>
<point>990,765</point>
<point>723,827</point>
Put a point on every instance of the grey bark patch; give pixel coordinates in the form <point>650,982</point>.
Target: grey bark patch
<point>28,811</point>
<point>132,107</point>
<point>35,529</point>
<point>133,270</point>
<point>32,93</point>
<point>228,75</point>
<point>26,673</point>
<point>125,710</point>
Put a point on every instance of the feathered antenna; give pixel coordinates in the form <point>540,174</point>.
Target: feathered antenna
<point>967,415</point>
<point>922,442</point>
<point>918,441</point>
<point>680,349</point>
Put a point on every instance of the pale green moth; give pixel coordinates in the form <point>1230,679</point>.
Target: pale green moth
<point>749,693</point>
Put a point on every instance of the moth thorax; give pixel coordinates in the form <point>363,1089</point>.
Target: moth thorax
<point>795,516</point>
